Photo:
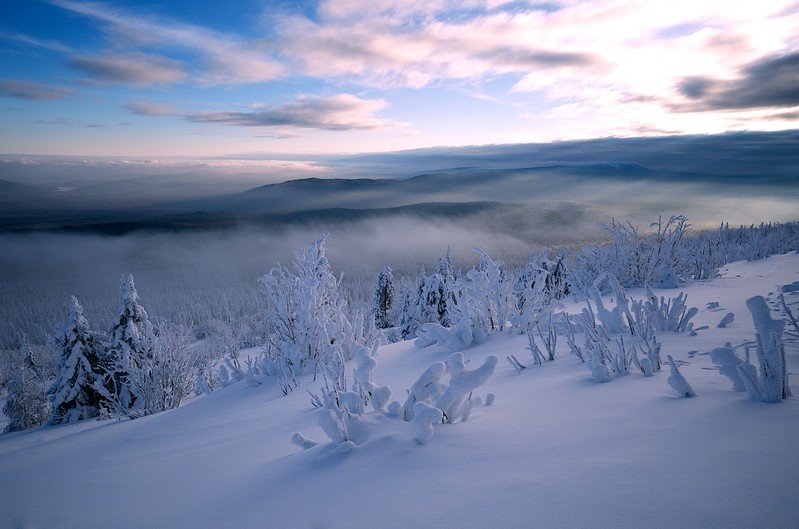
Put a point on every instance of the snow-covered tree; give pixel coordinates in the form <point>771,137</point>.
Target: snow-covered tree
<point>489,285</point>
<point>408,319</point>
<point>383,301</point>
<point>27,405</point>
<point>77,392</point>
<point>437,300</point>
<point>131,357</point>
<point>308,324</point>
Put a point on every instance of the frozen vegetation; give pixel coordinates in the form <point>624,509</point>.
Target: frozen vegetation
<point>401,397</point>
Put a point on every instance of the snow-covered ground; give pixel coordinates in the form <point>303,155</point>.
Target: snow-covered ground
<point>555,450</point>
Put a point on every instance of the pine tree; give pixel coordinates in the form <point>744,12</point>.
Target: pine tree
<point>446,290</point>
<point>76,392</point>
<point>384,299</point>
<point>408,321</point>
<point>130,348</point>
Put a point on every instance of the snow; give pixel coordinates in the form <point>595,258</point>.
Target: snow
<point>555,449</point>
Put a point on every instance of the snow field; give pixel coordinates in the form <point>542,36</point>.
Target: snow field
<point>554,450</point>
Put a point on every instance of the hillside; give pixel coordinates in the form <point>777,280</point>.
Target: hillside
<point>555,449</point>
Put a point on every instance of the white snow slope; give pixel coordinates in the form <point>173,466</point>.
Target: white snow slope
<point>555,450</point>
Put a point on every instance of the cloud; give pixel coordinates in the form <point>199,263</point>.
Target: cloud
<point>36,42</point>
<point>338,113</point>
<point>768,82</point>
<point>421,44</point>
<point>149,108</point>
<point>32,91</point>
<point>224,58</point>
<point>137,69</point>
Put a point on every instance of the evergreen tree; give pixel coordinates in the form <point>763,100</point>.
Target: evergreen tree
<point>446,290</point>
<point>131,342</point>
<point>408,322</point>
<point>76,392</point>
<point>437,294</point>
<point>384,299</point>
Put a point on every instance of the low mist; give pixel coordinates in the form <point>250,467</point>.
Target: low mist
<point>190,275</point>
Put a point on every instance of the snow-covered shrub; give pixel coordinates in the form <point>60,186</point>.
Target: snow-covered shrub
<point>485,303</point>
<point>614,320</point>
<point>570,334</point>
<point>552,272</point>
<point>769,383</point>
<point>677,381</point>
<point>170,378</point>
<point>298,439</point>
<point>595,362</point>
<point>670,315</point>
<point>427,389</point>
<point>634,258</point>
<point>642,327</point>
<point>369,392</point>
<point>461,384</point>
<point>26,405</point>
<point>333,425</point>
<point>424,417</point>
<point>788,313</point>
<point>77,392</point>
<point>533,296</point>
<point>727,362</point>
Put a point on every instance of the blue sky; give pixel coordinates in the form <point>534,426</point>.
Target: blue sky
<point>205,79</point>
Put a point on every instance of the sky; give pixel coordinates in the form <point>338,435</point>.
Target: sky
<point>242,79</point>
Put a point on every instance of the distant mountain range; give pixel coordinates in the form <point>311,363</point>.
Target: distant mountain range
<point>507,185</point>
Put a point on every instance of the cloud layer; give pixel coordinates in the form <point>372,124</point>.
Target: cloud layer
<point>341,112</point>
<point>32,91</point>
<point>449,71</point>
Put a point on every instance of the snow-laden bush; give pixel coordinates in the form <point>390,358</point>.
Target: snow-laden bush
<point>462,383</point>
<point>727,362</point>
<point>677,381</point>
<point>486,302</point>
<point>670,315</point>
<point>308,325</point>
<point>424,417</point>
<point>170,376</point>
<point>369,392</point>
<point>483,299</point>
<point>634,258</point>
<point>26,405</point>
<point>634,319</point>
<point>769,383</point>
<point>427,389</point>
